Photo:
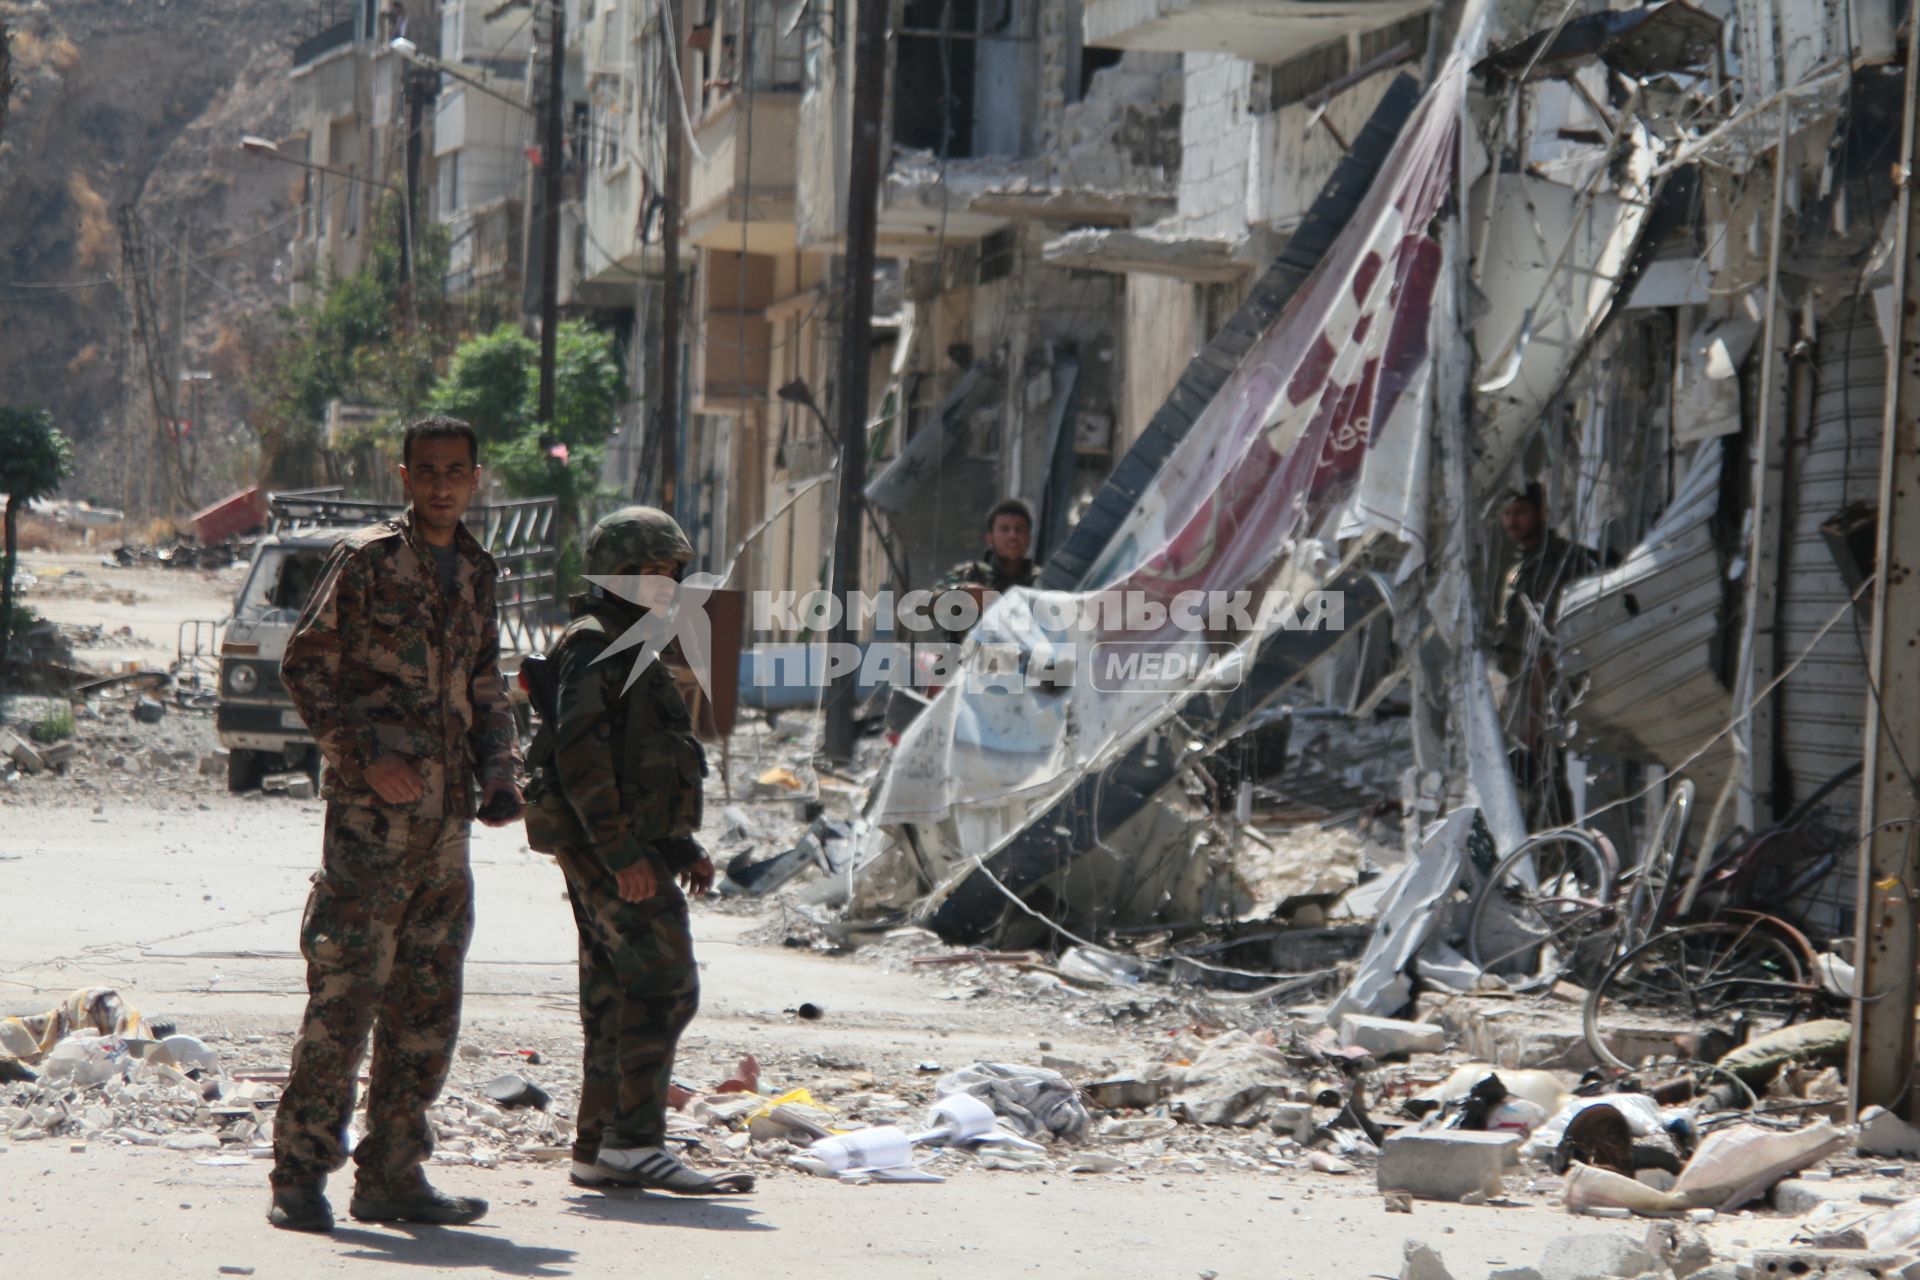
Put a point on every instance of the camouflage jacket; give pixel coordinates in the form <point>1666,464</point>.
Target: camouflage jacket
<point>382,661</point>
<point>987,572</point>
<point>627,762</point>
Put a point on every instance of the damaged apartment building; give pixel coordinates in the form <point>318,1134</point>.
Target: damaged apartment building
<point>1634,264</point>
<point>995,371</point>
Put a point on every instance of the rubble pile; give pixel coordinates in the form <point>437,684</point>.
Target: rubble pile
<point>137,738</point>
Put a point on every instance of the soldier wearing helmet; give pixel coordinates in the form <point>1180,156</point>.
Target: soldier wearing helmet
<point>616,797</point>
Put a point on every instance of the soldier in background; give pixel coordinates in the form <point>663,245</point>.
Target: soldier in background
<point>616,797</point>
<point>1547,563</point>
<point>394,665</point>
<point>1009,536</point>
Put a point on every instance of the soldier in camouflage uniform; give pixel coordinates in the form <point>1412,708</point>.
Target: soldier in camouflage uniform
<point>616,797</point>
<point>1009,537</point>
<point>394,665</point>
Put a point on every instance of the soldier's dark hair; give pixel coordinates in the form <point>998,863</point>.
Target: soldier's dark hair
<point>1010,507</point>
<point>439,427</point>
<point>1532,492</point>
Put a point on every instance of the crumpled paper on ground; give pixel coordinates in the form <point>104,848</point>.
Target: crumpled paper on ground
<point>1036,1102</point>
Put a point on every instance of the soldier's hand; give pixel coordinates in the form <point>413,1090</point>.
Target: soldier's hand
<point>698,878</point>
<point>394,780</point>
<point>635,883</point>
<point>504,801</point>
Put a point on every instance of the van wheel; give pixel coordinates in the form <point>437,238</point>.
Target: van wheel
<point>244,770</point>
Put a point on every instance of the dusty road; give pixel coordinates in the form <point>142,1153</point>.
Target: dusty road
<point>192,912</point>
<point>136,872</point>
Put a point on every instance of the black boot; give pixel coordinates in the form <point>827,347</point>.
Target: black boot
<point>301,1207</point>
<point>418,1203</point>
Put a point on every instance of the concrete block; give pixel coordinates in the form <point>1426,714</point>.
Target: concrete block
<point>21,752</point>
<point>56,755</point>
<point>1447,1164</point>
<point>1884,1134</point>
<point>1514,1273</point>
<point>1800,1197</point>
<point>1122,1093</point>
<point>1293,1120</point>
<point>1421,1262</point>
<point>1587,1257</point>
<point>1383,1037</point>
<point>1681,1246</point>
<point>301,788</point>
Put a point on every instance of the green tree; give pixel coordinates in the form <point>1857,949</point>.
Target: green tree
<point>493,382</point>
<point>486,384</point>
<point>34,458</point>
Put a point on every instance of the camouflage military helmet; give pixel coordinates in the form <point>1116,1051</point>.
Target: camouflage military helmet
<point>634,536</point>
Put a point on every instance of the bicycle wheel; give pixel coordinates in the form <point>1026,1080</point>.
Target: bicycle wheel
<point>1653,884</point>
<point>1696,978</point>
<point>1544,907</point>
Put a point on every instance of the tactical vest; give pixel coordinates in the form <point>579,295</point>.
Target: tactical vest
<point>660,764</point>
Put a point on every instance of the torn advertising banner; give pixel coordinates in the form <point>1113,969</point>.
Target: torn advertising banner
<point>1248,502</point>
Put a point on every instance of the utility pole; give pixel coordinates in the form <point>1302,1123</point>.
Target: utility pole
<point>1883,1039</point>
<point>856,349</point>
<point>422,87</point>
<point>667,419</point>
<point>552,158</point>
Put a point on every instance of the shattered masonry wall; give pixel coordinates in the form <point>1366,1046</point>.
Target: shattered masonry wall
<point>1216,143</point>
<point>1293,160</point>
<point>1124,136</point>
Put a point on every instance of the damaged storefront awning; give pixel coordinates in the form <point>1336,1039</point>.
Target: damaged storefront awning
<point>1638,642</point>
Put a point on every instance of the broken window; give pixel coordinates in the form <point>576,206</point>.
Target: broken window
<point>996,256</point>
<point>279,583</point>
<point>958,87</point>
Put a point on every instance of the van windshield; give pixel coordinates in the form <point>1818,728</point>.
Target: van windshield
<point>278,587</point>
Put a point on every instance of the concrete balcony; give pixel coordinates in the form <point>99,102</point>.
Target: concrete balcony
<point>1262,31</point>
<point>743,192</point>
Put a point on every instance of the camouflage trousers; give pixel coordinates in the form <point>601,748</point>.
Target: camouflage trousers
<point>385,935</point>
<point>639,989</point>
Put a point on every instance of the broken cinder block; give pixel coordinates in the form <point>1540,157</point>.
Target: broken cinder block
<point>1384,1037</point>
<point>1447,1164</point>
<point>1780,1264</point>
<point>21,752</point>
<point>1293,1120</point>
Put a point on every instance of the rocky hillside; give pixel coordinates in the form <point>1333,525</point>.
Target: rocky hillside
<point>139,102</point>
